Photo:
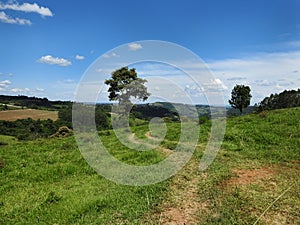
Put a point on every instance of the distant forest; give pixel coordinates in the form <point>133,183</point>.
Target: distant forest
<point>33,102</point>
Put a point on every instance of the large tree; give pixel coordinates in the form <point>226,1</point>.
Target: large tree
<point>124,85</point>
<point>240,97</point>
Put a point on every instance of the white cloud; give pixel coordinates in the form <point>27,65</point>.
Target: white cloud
<point>5,83</point>
<point>214,86</point>
<point>265,83</point>
<point>48,59</point>
<point>111,55</point>
<point>20,90</point>
<point>40,89</point>
<point>28,8</point>
<point>218,82</point>
<point>266,73</point>
<point>7,19</point>
<point>134,46</point>
<point>79,57</point>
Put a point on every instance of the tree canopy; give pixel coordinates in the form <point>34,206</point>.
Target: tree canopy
<point>124,85</point>
<point>285,99</point>
<point>240,97</point>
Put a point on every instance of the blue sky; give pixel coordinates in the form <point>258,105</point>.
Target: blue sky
<point>46,46</point>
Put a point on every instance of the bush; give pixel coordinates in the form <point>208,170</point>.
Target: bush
<point>63,131</point>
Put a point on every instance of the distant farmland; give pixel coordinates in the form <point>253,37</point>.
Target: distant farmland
<point>12,115</point>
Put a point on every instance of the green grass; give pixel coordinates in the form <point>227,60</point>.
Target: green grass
<point>48,182</point>
<point>5,140</point>
<point>265,141</point>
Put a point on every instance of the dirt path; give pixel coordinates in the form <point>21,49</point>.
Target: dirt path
<point>182,203</point>
<point>148,135</point>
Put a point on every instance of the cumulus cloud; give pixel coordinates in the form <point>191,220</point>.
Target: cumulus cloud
<point>7,19</point>
<point>48,59</point>
<point>134,46</point>
<point>79,57</point>
<point>5,83</point>
<point>28,8</point>
<point>215,85</point>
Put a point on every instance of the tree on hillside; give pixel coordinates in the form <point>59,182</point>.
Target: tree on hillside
<point>285,99</point>
<point>124,85</point>
<point>240,97</point>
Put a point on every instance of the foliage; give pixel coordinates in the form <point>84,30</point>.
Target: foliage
<point>62,132</point>
<point>124,85</point>
<point>28,129</point>
<point>240,97</point>
<point>148,111</point>
<point>32,102</point>
<point>4,107</point>
<point>285,99</point>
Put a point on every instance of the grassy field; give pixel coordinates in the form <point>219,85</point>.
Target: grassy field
<point>12,115</point>
<point>253,180</point>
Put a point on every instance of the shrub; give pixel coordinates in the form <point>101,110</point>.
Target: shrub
<point>63,131</point>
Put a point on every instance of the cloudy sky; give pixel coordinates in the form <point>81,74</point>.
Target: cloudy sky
<point>47,46</point>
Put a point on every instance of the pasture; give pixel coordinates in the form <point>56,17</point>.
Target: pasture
<point>253,180</point>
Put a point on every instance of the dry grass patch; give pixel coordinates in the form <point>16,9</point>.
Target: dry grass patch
<point>245,177</point>
<point>12,115</point>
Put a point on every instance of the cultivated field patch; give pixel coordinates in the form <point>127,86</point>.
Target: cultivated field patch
<point>12,115</point>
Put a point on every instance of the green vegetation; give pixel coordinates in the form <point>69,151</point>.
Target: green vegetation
<point>285,99</point>
<point>124,85</point>
<point>240,97</point>
<point>254,179</point>
<point>48,182</point>
<point>22,101</point>
<point>258,162</point>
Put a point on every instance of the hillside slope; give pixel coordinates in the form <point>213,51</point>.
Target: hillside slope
<point>255,177</point>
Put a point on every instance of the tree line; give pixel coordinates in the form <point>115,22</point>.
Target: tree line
<point>285,99</point>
